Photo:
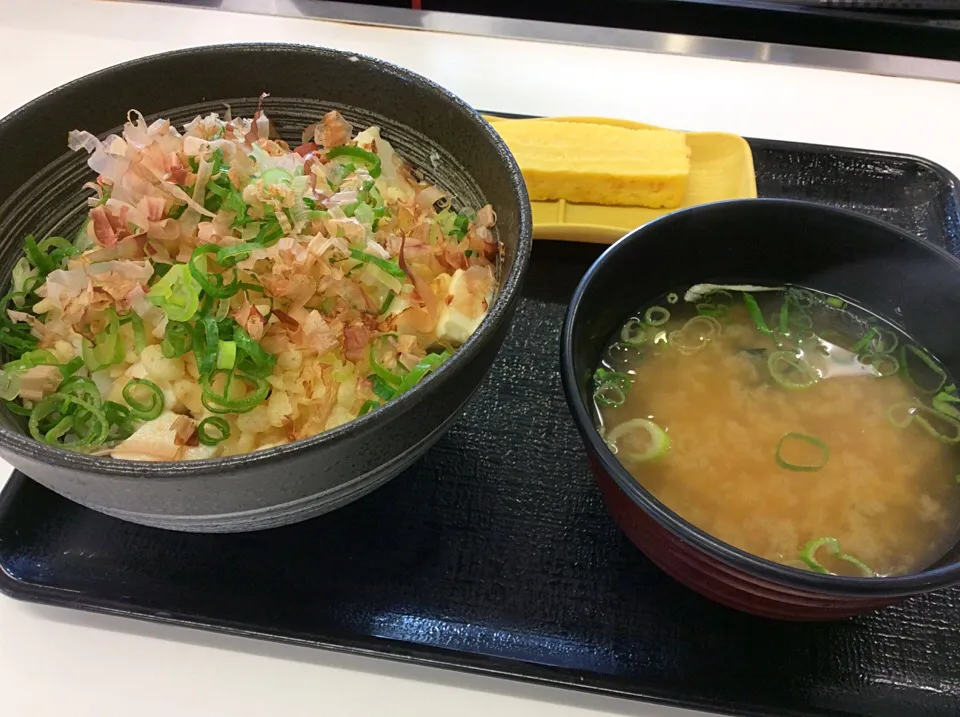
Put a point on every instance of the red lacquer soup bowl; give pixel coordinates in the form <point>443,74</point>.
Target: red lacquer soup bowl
<point>767,242</point>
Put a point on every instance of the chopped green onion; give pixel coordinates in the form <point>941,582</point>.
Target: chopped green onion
<point>177,339</point>
<point>253,358</point>
<point>82,387</point>
<point>22,271</point>
<point>784,322</point>
<point>656,316</point>
<point>388,299</point>
<point>657,445</point>
<point>229,256</point>
<point>610,395</point>
<point>16,342</point>
<point>876,340</point>
<point>364,214</point>
<point>791,371</point>
<point>926,418</point>
<point>109,348</point>
<point>808,554</point>
<point>206,335</point>
<point>16,408</point>
<point>720,293</point>
<point>715,311</point>
<point>159,271</point>
<point>836,302</point>
<point>222,428</point>
<point>227,354</point>
<point>367,407</point>
<point>139,334</point>
<point>701,329</point>
<point>276,175</point>
<point>381,388</point>
<point>38,357</point>
<point>802,299</point>
<point>71,367</point>
<point>428,364</point>
<point>383,264</point>
<point>887,341</point>
<point>86,419</point>
<point>753,308</point>
<point>928,361</point>
<point>221,403</point>
<point>943,403</point>
<point>459,227</point>
<point>634,332</point>
<point>376,349</point>
<point>672,298</point>
<point>144,410</point>
<point>177,293</point>
<point>9,385</point>
<point>37,256</point>
<point>604,376</point>
<point>803,467</point>
<point>368,158</point>
<point>211,283</point>
<point>62,249</point>
<point>883,364</point>
<point>119,416</point>
<point>864,340</point>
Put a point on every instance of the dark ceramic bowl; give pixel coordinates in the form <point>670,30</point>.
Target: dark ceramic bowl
<point>432,128</point>
<point>760,242</point>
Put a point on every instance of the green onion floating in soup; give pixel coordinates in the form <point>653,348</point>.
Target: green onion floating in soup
<point>884,364</point>
<point>831,547</point>
<point>753,308</point>
<point>772,416</point>
<point>610,388</point>
<point>791,371</point>
<point>944,402</point>
<point>821,448</point>
<point>921,370</point>
<point>694,335</point>
<point>638,440</point>
<point>634,332</point>
<point>936,423</point>
<point>656,316</point>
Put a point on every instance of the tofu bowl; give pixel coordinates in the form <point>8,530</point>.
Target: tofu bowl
<point>264,295</point>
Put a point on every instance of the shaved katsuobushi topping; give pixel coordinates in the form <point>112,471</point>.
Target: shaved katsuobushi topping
<point>228,293</point>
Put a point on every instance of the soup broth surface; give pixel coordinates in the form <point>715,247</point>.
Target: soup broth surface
<point>816,435</point>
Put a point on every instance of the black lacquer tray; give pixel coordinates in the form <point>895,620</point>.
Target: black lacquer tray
<point>495,554</point>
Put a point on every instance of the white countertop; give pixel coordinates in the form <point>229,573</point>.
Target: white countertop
<point>60,662</point>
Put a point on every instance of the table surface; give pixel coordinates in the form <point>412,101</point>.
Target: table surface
<point>113,667</point>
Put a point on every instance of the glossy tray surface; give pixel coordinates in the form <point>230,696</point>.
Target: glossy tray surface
<point>494,553</point>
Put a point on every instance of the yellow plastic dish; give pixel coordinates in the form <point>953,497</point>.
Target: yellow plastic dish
<point>721,167</point>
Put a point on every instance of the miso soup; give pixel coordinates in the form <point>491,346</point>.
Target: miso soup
<point>789,424</point>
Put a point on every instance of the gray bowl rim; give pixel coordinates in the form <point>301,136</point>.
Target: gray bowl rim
<point>761,568</point>
<point>117,468</point>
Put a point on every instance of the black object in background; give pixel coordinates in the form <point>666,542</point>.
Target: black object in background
<point>839,25</point>
<point>494,553</point>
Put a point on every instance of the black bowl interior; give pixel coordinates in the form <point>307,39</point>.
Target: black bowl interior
<point>438,133</point>
<point>768,242</point>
